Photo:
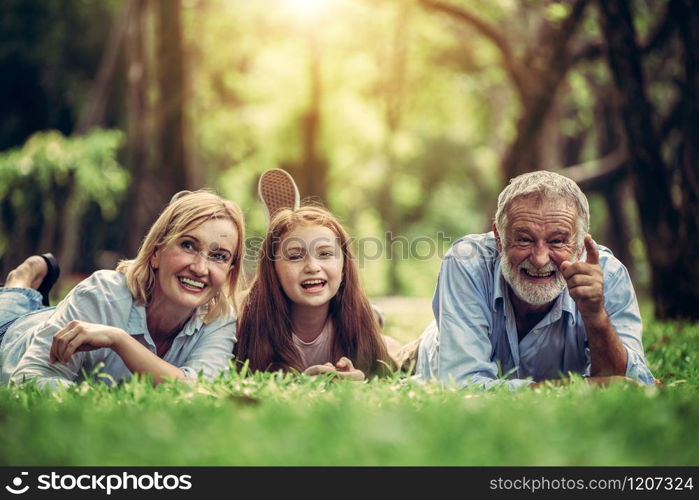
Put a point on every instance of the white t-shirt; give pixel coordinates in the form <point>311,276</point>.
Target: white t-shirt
<point>319,350</point>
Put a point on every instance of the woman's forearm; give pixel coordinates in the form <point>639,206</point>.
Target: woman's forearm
<point>139,359</point>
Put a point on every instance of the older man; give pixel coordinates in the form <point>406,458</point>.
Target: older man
<point>535,299</point>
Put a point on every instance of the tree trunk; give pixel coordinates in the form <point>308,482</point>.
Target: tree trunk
<point>171,138</point>
<point>617,231</point>
<point>540,75</point>
<point>669,231</point>
<point>314,167</point>
<point>161,171</point>
<point>141,206</point>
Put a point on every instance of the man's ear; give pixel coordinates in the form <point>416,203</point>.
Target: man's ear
<point>498,243</point>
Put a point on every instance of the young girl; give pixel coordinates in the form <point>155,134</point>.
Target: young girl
<point>306,310</point>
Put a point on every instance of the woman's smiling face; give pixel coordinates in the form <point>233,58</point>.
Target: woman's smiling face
<point>191,270</point>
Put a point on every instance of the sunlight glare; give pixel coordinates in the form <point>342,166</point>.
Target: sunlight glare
<point>307,8</point>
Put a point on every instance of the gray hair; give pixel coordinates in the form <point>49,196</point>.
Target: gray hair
<point>543,184</point>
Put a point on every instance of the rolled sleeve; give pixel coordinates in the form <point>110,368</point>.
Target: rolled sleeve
<point>637,369</point>
<point>624,314</point>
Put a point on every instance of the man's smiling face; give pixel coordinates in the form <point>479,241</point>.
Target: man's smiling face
<point>540,235</point>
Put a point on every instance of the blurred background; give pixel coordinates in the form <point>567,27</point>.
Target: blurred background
<point>405,117</point>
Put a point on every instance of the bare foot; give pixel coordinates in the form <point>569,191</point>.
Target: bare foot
<point>29,274</point>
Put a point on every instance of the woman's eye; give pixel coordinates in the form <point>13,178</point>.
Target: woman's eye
<point>326,255</point>
<point>219,256</point>
<point>294,257</point>
<point>187,245</point>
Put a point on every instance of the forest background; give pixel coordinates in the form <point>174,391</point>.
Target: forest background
<point>404,117</point>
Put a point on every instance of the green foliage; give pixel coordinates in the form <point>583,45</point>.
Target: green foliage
<point>556,12</point>
<point>50,161</point>
<point>274,419</point>
<point>52,172</point>
<point>416,109</point>
<point>381,65</point>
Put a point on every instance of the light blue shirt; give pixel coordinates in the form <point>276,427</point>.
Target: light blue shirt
<point>104,298</point>
<point>474,340</point>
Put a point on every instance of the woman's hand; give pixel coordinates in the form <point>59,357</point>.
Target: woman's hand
<point>79,336</point>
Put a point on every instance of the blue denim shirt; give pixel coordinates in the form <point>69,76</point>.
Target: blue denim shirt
<point>104,298</point>
<point>474,340</point>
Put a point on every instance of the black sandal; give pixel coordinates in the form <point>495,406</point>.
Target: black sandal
<point>54,271</point>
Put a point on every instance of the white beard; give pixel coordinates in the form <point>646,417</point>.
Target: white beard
<point>532,293</point>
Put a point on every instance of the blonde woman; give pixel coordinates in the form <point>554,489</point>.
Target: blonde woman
<point>169,312</point>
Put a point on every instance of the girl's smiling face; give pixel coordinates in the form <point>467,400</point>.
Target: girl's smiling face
<point>309,264</point>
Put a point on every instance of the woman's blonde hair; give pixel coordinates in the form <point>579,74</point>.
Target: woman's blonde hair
<point>185,212</point>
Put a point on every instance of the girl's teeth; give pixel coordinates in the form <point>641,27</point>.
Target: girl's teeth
<point>310,283</point>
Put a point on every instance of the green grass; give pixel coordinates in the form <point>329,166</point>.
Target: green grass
<point>295,420</point>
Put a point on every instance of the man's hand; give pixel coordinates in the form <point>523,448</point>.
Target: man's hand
<point>79,336</point>
<point>585,282</point>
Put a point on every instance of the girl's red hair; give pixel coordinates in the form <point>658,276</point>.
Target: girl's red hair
<point>264,327</point>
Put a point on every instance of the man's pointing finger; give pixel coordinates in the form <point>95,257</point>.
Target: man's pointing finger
<point>591,249</point>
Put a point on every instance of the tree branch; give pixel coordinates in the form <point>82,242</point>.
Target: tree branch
<point>512,66</point>
<point>662,31</point>
<point>588,52</point>
<point>566,31</point>
<point>592,174</point>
